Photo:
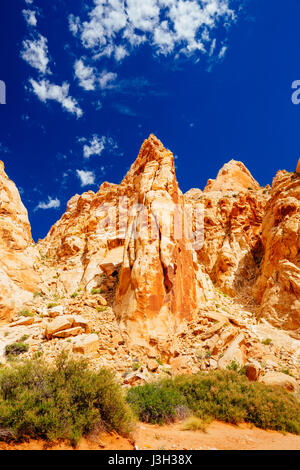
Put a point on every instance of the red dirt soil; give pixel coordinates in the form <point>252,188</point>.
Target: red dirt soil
<point>218,436</point>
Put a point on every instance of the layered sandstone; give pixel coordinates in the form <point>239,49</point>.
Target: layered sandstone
<point>196,281</point>
<point>157,287</point>
<point>278,286</point>
<point>18,278</point>
<point>233,208</point>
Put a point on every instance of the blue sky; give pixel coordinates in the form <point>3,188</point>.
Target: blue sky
<point>88,81</point>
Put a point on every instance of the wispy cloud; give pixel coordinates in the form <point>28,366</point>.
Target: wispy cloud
<point>96,145</point>
<point>52,203</point>
<point>107,79</point>
<point>87,178</point>
<point>45,91</point>
<point>86,75</point>
<point>30,17</point>
<point>180,27</point>
<point>124,109</point>
<point>35,53</point>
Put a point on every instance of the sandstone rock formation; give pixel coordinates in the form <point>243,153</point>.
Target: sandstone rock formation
<point>147,281</point>
<point>278,286</point>
<point>18,278</point>
<point>233,176</point>
<point>157,287</point>
<point>233,207</point>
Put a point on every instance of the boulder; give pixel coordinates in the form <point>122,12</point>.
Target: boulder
<point>234,353</point>
<point>24,321</point>
<point>59,324</point>
<point>81,322</point>
<point>280,379</point>
<point>180,365</point>
<point>69,332</point>
<point>134,378</point>
<point>152,365</point>
<point>86,344</point>
<point>56,311</point>
<point>252,372</point>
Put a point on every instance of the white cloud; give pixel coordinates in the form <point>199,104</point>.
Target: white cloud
<point>97,145</point>
<point>85,74</point>
<point>180,27</point>
<point>106,79</point>
<point>86,177</point>
<point>50,204</point>
<point>45,91</point>
<point>222,52</point>
<point>30,17</point>
<point>35,53</point>
<point>90,79</point>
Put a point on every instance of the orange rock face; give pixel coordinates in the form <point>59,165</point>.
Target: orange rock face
<point>233,176</point>
<point>154,255</point>
<point>157,287</point>
<point>18,279</point>
<point>278,286</point>
<point>233,216</point>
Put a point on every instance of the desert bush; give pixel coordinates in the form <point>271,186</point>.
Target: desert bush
<point>196,424</point>
<point>156,402</point>
<point>14,349</point>
<point>52,305</point>
<point>64,401</point>
<point>224,395</point>
<point>96,291</point>
<point>26,313</point>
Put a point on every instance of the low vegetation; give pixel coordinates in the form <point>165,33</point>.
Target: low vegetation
<point>52,305</point>
<point>96,291</point>
<point>15,349</point>
<point>26,313</point>
<point>65,401</point>
<point>195,424</point>
<point>224,395</point>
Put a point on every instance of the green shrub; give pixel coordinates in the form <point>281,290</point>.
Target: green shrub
<point>236,367</point>
<point>23,338</point>
<point>14,349</point>
<point>195,424</point>
<point>74,295</point>
<point>38,294</point>
<point>26,313</point>
<point>224,395</point>
<point>52,305</point>
<point>96,291</point>
<point>267,341</point>
<point>101,309</point>
<point>156,402</point>
<point>65,401</point>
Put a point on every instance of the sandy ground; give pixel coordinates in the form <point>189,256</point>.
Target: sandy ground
<point>218,436</point>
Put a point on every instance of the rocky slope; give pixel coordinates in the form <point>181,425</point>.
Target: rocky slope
<point>18,278</point>
<point>146,280</point>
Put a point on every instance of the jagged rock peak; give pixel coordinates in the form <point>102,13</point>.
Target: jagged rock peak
<point>153,170</point>
<point>233,176</point>
<point>15,231</point>
<point>17,277</point>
